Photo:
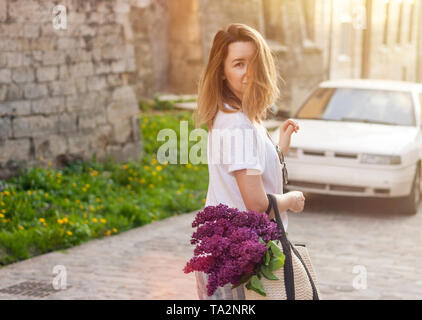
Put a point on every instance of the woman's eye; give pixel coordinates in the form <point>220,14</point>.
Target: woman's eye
<point>239,64</point>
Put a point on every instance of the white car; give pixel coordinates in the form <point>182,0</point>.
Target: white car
<point>359,138</point>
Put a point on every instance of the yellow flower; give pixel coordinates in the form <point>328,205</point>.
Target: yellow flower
<point>154,161</point>
<point>7,193</point>
<point>3,204</point>
<point>29,192</point>
<point>98,200</point>
<point>59,221</point>
<point>154,173</point>
<point>196,168</point>
<point>203,200</point>
<point>114,230</point>
<point>49,163</point>
<point>95,220</point>
<point>69,233</point>
<point>3,211</point>
<point>65,220</point>
<point>125,167</point>
<point>103,220</point>
<point>188,165</point>
<point>74,185</point>
<point>142,180</point>
<point>87,186</point>
<point>108,232</point>
<point>86,221</point>
<point>147,167</point>
<point>58,175</point>
<point>44,224</point>
<point>82,207</point>
<point>71,223</point>
<point>77,201</point>
<point>46,194</point>
<point>42,220</point>
<point>94,173</point>
<point>91,208</point>
<point>130,178</point>
<point>20,227</point>
<point>41,159</point>
<point>159,168</point>
<point>1,215</point>
<point>151,186</point>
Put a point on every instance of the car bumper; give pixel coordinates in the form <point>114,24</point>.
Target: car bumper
<point>349,181</point>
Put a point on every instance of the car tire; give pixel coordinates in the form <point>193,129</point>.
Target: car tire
<point>410,204</point>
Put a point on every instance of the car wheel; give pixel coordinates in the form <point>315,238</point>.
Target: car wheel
<point>410,204</point>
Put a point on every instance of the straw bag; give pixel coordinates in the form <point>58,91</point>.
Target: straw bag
<point>297,277</point>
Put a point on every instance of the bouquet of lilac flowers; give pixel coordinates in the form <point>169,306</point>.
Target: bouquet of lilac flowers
<point>235,247</point>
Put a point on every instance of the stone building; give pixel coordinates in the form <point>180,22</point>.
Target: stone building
<point>376,39</point>
<point>65,77</point>
<point>73,92</point>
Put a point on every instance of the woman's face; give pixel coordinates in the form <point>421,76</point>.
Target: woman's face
<point>236,65</point>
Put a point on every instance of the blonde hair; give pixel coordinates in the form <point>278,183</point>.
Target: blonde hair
<point>262,88</point>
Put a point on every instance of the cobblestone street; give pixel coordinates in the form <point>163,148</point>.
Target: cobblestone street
<point>343,235</point>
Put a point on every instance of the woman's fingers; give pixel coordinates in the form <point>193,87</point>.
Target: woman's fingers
<point>290,122</point>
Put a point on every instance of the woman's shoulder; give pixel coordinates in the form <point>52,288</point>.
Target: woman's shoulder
<point>231,119</point>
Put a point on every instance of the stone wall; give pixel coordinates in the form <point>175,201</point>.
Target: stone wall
<point>66,94</point>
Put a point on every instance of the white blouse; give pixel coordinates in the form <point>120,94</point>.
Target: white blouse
<point>236,143</point>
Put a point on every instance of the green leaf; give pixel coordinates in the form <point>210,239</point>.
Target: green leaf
<point>256,285</point>
<point>276,250</point>
<point>243,279</point>
<point>261,241</point>
<point>267,258</point>
<point>266,271</point>
<point>276,263</point>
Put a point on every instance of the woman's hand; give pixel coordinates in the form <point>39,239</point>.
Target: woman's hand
<point>297,201</point>
<point>286,129</point>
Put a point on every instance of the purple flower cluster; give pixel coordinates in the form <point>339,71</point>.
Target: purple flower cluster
<point>227,243</point>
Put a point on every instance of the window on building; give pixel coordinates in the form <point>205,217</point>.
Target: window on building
<point>387,18</point>
<point>346,36</point>
<point>420,104</point>
<point>309,12</point>
<point>411,15</point>
<point>273,20</point>
<point>400,22</point>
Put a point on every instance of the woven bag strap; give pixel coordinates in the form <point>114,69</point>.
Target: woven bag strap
<point>289,281</point>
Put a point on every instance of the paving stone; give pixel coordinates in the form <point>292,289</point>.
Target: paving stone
<point>147,262</point>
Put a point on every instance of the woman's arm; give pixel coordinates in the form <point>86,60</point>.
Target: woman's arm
<point>253,193</point>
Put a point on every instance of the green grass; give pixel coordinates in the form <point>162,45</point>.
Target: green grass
<point>46,209</point>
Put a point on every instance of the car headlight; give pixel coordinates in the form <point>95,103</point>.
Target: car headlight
<point>292,153</point>
<point>380,159</point>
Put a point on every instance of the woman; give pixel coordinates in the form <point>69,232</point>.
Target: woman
<point>237,87</point>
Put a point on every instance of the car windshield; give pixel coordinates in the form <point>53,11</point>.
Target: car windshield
<point>360,105</point>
